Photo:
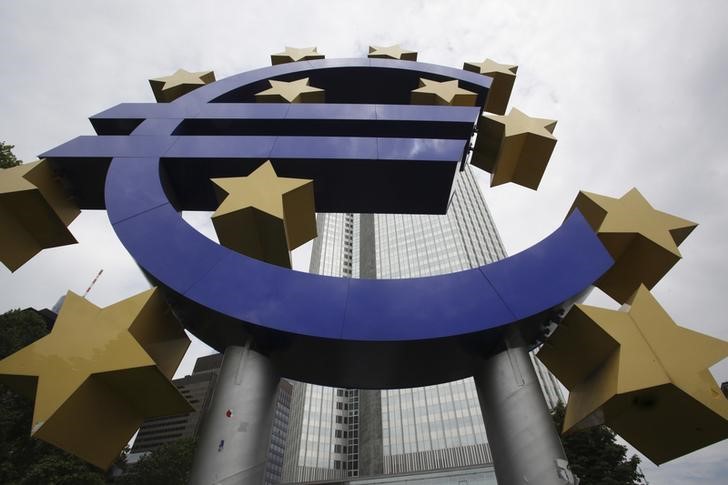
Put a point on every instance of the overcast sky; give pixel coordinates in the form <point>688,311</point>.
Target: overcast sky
<point>640,90</point>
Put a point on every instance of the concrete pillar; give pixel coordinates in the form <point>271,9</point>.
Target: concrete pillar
<point>371,451</point>
<point>523,439</point>
<point>235,431</point>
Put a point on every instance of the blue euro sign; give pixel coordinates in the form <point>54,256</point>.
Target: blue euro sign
<point>367,151</point>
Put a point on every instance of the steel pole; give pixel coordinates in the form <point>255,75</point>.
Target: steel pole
<point>235,431</point>
<point>523,439</point>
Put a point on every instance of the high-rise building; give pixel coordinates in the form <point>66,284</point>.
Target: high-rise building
<point>347,433</point>
<point>279,433</point>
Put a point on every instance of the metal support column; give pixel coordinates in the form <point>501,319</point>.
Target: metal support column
<point>523,439</point>
<point>233,442</point>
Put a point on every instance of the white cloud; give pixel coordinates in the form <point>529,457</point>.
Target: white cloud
<point>640,90</point>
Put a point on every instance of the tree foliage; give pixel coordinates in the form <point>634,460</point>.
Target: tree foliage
<point>170,464</point>
<point>595,456</point>
<point>28,461</point>
<point>7,159</point>
<point>25,460</point>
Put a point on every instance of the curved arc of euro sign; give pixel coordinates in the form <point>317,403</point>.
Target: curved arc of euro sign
<point>328,330</point>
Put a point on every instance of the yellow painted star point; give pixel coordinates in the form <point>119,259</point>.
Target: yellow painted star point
<point>642,240</point>
<point>641,374</point>
<point>514,148</point>
<point>443,93</point>
<point>34,213</point>
<point>265,216</point>
<point>100,372</point>
<point>392,52</point>
<point>517,122</point>
<point>504,75</point>
<point>168,88</point>
<point>294,54</point>
<point>489,66</point>
<point>298,91</point>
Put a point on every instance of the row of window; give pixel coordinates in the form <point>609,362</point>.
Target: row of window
<point>346,465</point>
<point>346,434</point>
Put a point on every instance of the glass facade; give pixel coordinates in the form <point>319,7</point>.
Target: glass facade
<point>475,476</point>
<point>279,432</point>
<point>420,429</point>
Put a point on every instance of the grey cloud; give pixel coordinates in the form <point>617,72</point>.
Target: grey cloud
<point>640,90</point>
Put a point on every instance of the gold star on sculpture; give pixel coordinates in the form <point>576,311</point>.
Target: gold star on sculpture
<point>168,88</point>
<point>642,375</point>
<point>34,213</point>
<point>514,148</point>
<point>504,75</point>
<point>443,93</point>
<point>99,373</point>
<point>265,216</point>
<point>392,52</point>
<point>291,92</point>
<point>642,240</point>
<point>293,54</point>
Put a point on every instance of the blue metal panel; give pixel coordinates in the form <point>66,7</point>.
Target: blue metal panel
<point>464,114</point>
<point>111,146</point>
<point>420,149</point>
<point>124,200</point>
<point>434,70</point>
<point>210,92</point>
<point>222,147</point>
<point>322,147</point>
<point>168,248</point>
<point>339,62</point>
<point>245,110</point>
<point>155,126</point>
<point>143,111</point>
<point>347,70</point>
<point>551,272</point>
<point>423,308</point>
<point>273,297</point>
<point>332,111</point>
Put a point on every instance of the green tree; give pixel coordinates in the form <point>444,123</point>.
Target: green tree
<point>7,159</point>
<point>28,461</point>
<point>25,460</point>
<point>170,464</point>
<point>596,458</point>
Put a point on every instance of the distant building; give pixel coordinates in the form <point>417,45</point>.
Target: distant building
<point>198,388</point>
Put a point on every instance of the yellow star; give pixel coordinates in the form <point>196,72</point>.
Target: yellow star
<point>293,54</point>
<point>643,241</point>
<point>265,216</point>
<point>392,52</point>
<point>168,88</point>
<point>291,92</point>
<point>504,75</point>
<point>490,67</point>
<point>443,93</point>
<point>99,373</point>
<point>34,213</point>
<point>642,375</point>
<point>514,148</point>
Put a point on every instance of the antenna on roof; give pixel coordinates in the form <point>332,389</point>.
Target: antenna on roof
<point>93,283</point>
